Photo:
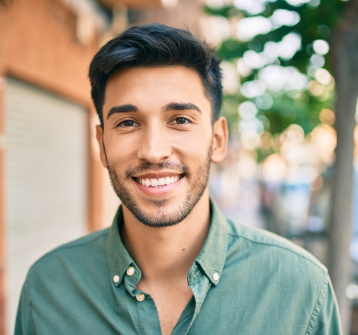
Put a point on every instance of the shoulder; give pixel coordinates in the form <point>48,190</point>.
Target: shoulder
<point>269,247</point>
<point>75,254</point>
<point>282,273</point>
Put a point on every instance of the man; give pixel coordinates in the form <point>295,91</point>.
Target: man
<point>170,263</point>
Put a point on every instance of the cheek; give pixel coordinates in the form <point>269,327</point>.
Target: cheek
<point>196,139</point>
<point>119,149</point>
<point>192,147</point>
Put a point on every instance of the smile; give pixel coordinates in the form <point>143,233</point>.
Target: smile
<point>158,182</point>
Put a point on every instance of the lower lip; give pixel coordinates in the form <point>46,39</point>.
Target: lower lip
<point>160,190</point>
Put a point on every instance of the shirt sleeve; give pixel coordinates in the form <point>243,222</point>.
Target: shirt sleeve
<point>325,318</point>
<point>24,324</point>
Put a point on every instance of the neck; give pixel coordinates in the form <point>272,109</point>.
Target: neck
<point>167,252</point>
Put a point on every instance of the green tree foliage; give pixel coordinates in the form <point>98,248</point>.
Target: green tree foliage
<point>279,108</point>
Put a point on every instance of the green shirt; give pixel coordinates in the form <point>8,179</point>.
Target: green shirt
<point>245,281</point>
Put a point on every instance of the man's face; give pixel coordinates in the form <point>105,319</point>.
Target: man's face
<point>157,141</point>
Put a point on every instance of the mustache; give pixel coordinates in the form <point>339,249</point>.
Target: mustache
<point>150,167</point>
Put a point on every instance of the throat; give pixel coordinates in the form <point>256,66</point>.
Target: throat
<point>171,299</point>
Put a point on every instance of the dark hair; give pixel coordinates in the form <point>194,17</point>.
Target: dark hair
<point>156,45</point>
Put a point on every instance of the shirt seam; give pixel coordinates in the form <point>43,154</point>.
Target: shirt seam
<point>28,308</point>
<point>317,307</point>
<point>184,319</point>
<point>197,278</point>
<point>140,329</point>
<point>224,253</point>
<point>282,247</point>
<point>64,247</point>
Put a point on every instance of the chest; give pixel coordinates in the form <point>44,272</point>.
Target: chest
<point>228,308</point>
<point>170,303</point>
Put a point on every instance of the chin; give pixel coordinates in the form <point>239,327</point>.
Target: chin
<point>160,213</point>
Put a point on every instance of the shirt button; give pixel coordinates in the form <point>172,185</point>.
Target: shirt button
<point>116,279</point>
<point>130,271</point>
<point>140,296</point>
<point>216,276</point>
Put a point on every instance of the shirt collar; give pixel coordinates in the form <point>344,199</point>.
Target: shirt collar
<point>118,257</point>
<point>213,255</point>
<point>211,259</point>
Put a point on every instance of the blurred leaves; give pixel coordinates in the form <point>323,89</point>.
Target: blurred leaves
<point>317,20</point>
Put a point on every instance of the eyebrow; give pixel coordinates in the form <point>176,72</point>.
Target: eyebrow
<point>122,109</point>
<point>180,106</point>
<point>127,108</point>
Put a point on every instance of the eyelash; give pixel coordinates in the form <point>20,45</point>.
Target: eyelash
<point>121,124</point>
<point>187,121</point>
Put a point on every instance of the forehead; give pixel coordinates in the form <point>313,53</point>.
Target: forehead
<point>154,87</point>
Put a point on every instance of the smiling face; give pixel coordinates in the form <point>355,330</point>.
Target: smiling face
<point>158,141</point>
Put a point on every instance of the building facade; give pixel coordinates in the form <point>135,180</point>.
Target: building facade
<point>53,188</point>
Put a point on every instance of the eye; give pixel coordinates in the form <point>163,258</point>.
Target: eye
<point>181,120</point>
<point>127,124</point>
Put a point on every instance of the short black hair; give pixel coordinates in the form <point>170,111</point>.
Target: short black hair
<point>155,45</point>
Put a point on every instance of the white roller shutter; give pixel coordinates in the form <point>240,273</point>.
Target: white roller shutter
<point>46,179</point>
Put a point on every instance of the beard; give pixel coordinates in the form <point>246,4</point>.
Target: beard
<point>162,218</point>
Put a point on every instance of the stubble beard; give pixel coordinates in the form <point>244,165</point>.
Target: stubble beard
<point>161,218</point>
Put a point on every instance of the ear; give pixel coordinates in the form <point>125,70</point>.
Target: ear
<point>220,140</point>
<point>99,137</point>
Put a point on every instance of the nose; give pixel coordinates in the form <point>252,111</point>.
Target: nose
<point>155,146</point>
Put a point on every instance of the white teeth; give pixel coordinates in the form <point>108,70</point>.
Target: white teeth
<point>158,182</point>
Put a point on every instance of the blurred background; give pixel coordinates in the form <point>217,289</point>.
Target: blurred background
<point>290,81</point>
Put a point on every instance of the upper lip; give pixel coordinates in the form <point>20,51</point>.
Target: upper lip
<point>157,175</point>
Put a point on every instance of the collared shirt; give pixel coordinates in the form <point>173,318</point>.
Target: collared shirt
<point>245,281</point>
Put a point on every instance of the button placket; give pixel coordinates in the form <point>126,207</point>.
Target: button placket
<point>140,296</point>
<point>130,271</point>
